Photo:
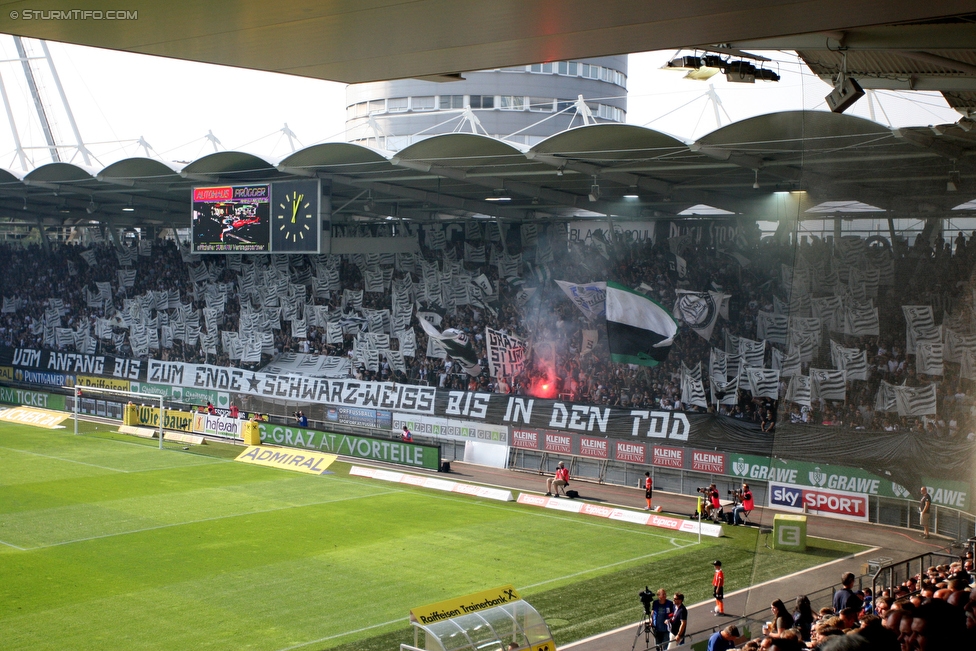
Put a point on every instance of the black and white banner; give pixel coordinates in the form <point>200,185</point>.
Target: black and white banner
<point>506,353</point>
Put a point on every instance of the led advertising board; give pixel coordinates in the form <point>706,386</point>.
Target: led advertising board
<point>277,217</point>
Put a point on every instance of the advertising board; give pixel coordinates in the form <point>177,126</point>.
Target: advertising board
<point>818,501</point>
<point>408,454</point>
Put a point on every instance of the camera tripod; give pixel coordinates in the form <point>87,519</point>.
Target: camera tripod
<point>645,629</point>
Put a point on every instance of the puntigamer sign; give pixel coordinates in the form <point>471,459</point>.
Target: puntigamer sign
<point>842,478</point>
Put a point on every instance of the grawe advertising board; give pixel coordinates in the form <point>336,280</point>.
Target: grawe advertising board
<point>416,455</point>
<point>944,492</point>
<point>451,430</point>
<point>230,428</point>
<point>818,501</point>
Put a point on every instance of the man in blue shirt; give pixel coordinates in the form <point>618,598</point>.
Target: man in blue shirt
<point>723,640</point>
<point>661,611</point>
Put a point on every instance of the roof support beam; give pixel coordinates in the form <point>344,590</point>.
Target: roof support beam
<point>623,178</point>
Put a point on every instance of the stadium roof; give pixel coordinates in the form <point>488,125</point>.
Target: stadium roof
<point>373,40</point>
<point>831,157</point>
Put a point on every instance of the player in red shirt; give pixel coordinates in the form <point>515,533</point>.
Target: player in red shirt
<point>718,588</point>
<point>561,480</point>
<point>648,490</point>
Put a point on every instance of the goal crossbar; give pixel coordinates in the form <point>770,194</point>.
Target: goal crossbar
<point>80,389</point>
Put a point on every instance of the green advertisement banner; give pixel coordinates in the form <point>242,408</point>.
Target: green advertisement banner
<point>407,454</point>
<point>944,492</point>
<point>186,395</point>
<point>31,398</point>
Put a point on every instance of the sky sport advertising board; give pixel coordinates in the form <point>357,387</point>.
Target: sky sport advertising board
<point>279,217</point>
<point>818,501</point>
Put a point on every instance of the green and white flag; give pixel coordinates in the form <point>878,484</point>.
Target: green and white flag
<point>639,330</point>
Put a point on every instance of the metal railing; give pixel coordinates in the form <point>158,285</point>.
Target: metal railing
<point>892,575</point>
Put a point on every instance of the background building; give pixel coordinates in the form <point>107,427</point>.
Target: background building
<point>523,104</point>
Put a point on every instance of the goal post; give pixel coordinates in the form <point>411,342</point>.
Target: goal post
<point>79,390</point>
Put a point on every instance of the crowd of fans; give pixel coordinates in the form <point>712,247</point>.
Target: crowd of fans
<point>537,311</point>
<point>931,611</point>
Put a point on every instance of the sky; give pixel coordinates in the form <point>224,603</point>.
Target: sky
<point>118,98</point>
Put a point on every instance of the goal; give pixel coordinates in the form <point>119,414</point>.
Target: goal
<point>81,390</point>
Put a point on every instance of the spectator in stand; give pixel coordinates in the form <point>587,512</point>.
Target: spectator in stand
<point>845,596</point>
<point>782,619</point>
<point>725,639</point>
<point>803,617</point>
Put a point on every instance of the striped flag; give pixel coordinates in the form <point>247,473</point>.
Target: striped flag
<point>956,344</point>
<point>830,310</point>
<point>456,344</point>
<point>916,316</point>
<point>693,373</point>
<point>717,364</point>
<point>639,330</point>
<point>928,358</point>
<point>799,390</point>
<point>916,401</point>
<point>926,335</point>
<point>852,360</point>
<point>861,319</point>
<point>828,384</point>
<point>753,352</point>
<point>763,383</point>
<point>731,344</point>
<point>692,392</point>
<point>788,365</point>
<point>772,327</point>
<point>724,393</point>
<point>804,344</point>
<point>886,398</point>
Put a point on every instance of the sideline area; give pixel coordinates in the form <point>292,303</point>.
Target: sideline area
<point>882,542</point>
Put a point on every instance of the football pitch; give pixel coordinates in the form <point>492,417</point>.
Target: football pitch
<point>107,542</point>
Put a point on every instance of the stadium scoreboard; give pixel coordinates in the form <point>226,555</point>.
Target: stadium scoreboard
<point>262,217</point>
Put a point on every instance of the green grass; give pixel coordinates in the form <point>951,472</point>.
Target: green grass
<point>110,543</point>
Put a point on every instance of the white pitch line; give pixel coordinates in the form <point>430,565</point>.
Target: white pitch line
<point>95,465</point>
<point>332,637</point>
<point>4,542</point>
<point>213,519</point>
<point>604,567</point>
<point>592,522</point>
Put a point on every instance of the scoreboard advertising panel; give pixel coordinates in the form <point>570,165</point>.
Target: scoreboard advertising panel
<point>276,217</point>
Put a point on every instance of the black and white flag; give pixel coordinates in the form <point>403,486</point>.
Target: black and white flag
<point>916,317</point>
<point>787,364</point>
<point>458,346</point>
<point>830,310</point>
<point>698,310</point>
<point>693,392</point>
<point>799,390</point>
<point>589,341</point>
<point>916,401</point>
<point>774,328</point>
<point>861,319</point>
<point>753,352</point>
<point>763,382</point>
<point>718,361</point>
<point>928,358</point>
<point>886,400</point>
<point>724,393</point>
<point>828,384</point>
<point>590,298</point>
<point>506,353</point>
